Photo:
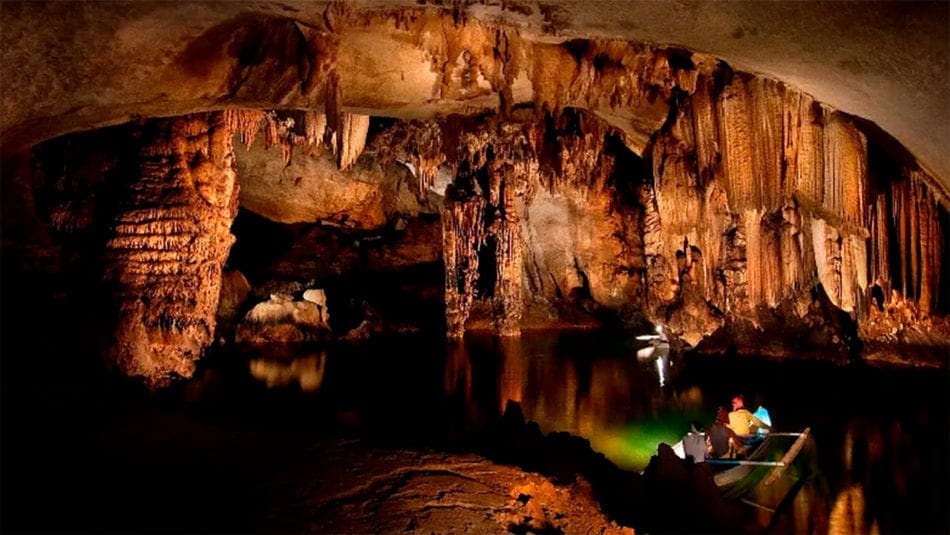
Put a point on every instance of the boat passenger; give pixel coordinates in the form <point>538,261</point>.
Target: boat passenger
<point>694,443</point>
<point>743,422</point>
<point>763,414</point>
<point>722,442</point>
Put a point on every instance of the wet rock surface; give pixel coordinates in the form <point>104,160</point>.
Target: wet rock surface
<point>354,488</point>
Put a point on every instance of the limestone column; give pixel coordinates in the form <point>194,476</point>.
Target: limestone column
<point>462,234</point>
<point>509,302</point>
<point>171,239</point>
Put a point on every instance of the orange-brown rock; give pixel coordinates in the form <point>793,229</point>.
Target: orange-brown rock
<point>171,239</point>
<point>593,179</point>
<point>94,65</point>
<point>283,320</point>
<point>350,489</point>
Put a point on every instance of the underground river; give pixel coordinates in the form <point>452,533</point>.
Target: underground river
<point>113,458</point>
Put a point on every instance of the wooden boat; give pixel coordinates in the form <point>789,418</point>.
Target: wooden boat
<point>656,349</point>
<point>659,344</point>
<point>769,476</point>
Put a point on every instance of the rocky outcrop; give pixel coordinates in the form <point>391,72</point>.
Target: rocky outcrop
<point>282,319</point>
<point>762,195</point>
<point>352,487</point>
<point>171,239</point>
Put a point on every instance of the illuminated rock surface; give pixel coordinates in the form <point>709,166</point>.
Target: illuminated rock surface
<point>403,491</point>
<point>170,243</point>
<point>559,181</point>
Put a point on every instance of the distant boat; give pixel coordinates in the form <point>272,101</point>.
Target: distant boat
<point>656,348</point>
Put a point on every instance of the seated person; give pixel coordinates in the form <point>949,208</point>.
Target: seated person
<point>763,414</point>
<point>722,442</point>
<point>694,443</point>
<point>742,421</point>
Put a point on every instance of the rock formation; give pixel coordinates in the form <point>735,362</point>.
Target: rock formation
<point>576,182</point>
<point>171,239</point>
<point>282,319</point>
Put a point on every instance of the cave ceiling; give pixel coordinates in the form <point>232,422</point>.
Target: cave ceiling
<point>69,66</point>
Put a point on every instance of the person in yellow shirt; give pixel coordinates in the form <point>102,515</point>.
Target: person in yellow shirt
<point>742,421</point>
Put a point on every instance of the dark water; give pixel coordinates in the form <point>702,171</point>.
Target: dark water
<point>880,433</point>
<point>199,457</point>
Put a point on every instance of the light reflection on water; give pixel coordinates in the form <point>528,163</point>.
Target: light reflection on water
<point>305,372</point>
<point>881,436</point>
<point>616,401</point>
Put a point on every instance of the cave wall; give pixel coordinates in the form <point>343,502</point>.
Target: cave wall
<point>576,182</point>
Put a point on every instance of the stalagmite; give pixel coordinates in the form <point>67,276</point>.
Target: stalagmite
<point>171,239</point>
<point>509,302</point>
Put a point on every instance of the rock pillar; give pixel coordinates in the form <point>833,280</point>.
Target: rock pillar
<point>171,239</point>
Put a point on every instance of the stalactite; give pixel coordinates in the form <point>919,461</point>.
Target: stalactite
<point>350,139</point>
<point>741,185</point>
<point>418,144</point>
<point>880,251</point>
<point>913,242</point>
<point>509,302</point>
<point>905,213</point>
<point>705,126</point>
<point>734,269</point>
<point>791,255</point>
<point>463,233</point>
<point>660,289</point>
<point>927,280</point>
<point>280,130</point>
<point>916,209</point>
<point>767,110</point>
<point>171,240</point>
<point>804,154</point>
<point>845,169</point>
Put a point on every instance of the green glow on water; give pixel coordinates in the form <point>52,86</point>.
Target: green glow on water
<point>631,446</point>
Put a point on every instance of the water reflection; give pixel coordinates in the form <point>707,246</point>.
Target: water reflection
<point>885,482</point>
<point>620,403</point>
<point>307,372</point>
<point>881,437</point>
<point>663,363</point>
<point>458,381</point>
